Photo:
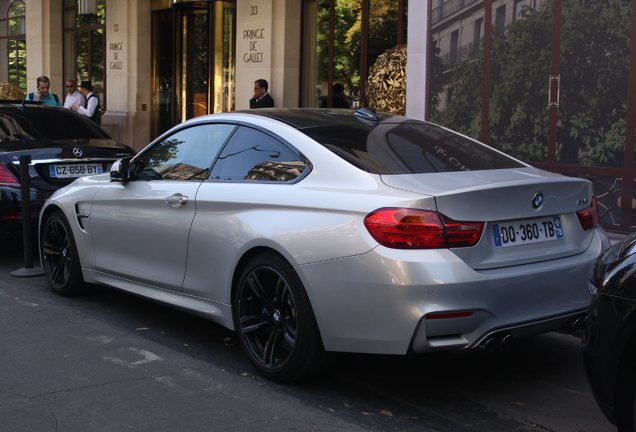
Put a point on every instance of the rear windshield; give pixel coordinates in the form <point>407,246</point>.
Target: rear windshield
<point>49,124</point>
<point>408,148</point>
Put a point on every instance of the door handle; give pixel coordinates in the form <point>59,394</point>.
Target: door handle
<point>177,200</point>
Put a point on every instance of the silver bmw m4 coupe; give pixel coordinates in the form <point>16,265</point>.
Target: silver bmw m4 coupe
<point>316,231</point>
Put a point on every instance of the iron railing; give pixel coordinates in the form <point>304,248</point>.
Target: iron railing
<point>462,54</point>
<point>449,8</point>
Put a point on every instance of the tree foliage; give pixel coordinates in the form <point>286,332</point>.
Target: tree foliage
<point>594,68</point>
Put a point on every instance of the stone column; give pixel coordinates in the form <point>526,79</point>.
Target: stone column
<point>268,47</point>
<point>416,61</point>
<point>128,69</point>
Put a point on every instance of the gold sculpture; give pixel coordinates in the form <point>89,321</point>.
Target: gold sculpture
<point>10,91</point>
<point>386,86</point>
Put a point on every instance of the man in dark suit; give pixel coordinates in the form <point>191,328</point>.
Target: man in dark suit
<point>339,97</point>
<point>261,98</point>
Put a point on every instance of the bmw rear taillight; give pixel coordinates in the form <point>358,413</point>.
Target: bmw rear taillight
<point>589,216</point>
<point>6,178</point>
<point>400,228</point>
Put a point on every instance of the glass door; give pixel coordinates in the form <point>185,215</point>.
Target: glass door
<point>193,60</point>
<point>203,61</point>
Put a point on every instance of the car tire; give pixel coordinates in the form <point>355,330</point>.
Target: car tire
<point>59,256</point>
<point>633,413</point>
<point>275,321</point>
<point>625,409</point>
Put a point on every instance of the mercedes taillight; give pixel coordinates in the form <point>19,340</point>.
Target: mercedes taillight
<point>7,178</point>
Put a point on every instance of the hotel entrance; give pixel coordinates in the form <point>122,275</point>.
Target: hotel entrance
<point>193,61</point>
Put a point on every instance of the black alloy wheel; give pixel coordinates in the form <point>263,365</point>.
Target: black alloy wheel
<point>275,321</point>
<point>626,403</point>
<point>625,381</point>
<point>626,390</point>
<point>59,256</point>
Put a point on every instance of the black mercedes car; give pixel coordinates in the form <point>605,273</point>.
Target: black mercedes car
<point>63,146</point>
<point>609,346</point>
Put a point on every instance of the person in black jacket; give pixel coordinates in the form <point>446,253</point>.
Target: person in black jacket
<point>92,109</point>
<point>339,98</point>
<point>261,98</point>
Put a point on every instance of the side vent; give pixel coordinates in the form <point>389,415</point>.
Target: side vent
<point>80,216</point>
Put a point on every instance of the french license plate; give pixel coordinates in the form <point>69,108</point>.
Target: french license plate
<point>74,170</point>
<point>527,231</point>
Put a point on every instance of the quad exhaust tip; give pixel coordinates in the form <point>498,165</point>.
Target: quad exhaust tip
<point>495,342</point>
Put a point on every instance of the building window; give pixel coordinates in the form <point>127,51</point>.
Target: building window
<point>478,31</point>
<point>454,46</point>
<point>500,19</point>
<point>342,40</point>
<point>13,36</point>
<point>85,44</point>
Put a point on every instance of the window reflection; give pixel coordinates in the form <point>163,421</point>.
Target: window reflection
<point>185,155</point>
<point>276,171</point>
<point>254,156</point>
<point>405,148</point>
<point>358,40</point>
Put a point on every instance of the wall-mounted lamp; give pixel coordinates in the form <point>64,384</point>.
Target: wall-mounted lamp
<point>87,7</point>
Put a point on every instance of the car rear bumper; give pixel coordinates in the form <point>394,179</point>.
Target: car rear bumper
<point>500,338</point>
<point>394,301</point>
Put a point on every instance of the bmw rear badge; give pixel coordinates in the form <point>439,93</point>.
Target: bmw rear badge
<point>77,152</point>
<point>537,200</point>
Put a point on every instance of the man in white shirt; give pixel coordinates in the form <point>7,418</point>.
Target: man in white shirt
<point>74,97</point>
<point>92,103</point>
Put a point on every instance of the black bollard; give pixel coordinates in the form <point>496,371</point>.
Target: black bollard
<point>27,229</point>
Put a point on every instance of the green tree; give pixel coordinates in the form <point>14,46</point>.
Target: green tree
<point>437,71</point>
<point>594,68</point>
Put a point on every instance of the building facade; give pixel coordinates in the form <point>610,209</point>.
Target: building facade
<point>157,63</point>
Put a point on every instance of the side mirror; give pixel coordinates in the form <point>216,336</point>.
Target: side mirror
<point>120,170</point>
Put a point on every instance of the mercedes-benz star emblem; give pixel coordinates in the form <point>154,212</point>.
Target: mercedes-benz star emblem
<point>537,200</point>
<point>77,152</point>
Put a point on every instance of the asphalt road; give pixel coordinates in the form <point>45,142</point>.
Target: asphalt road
<point>109,361</point>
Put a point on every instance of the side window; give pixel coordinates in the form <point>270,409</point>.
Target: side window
<point>185,155</point>
<point>252,155</point>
